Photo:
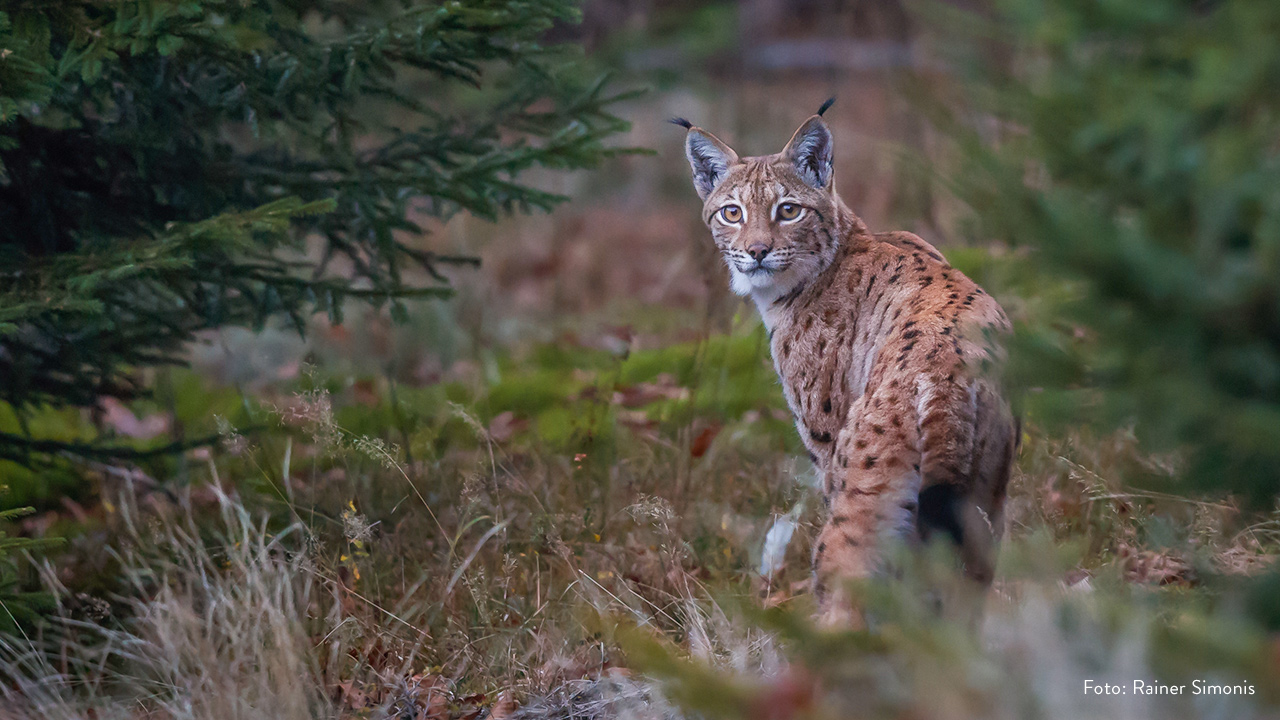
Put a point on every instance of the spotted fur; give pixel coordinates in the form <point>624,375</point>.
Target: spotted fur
<point>887,356</point>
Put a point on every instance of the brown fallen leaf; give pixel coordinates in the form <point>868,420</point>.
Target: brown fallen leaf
<point>504,707</point>
<point>790,695</point>
<point>636,419</point>
<point>430,694</point>
<point>366,392</point>
<point>505,426</point>
<point>351,695</point>
<point>663,387</point>
<point>702,441</point>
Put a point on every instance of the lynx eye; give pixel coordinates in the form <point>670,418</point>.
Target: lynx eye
<point>788,211</point>
<point>731,214</point>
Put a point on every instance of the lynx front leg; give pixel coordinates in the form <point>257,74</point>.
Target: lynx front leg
<point>872,505</point>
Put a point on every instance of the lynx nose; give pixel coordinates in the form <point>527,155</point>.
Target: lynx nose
<point>757,251</point>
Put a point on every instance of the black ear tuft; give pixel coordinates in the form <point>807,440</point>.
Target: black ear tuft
<point>681,122</point>
<point>827,105</point>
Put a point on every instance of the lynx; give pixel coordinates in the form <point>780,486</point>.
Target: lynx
<point>886,355</point>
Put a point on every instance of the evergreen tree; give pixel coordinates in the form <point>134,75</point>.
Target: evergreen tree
<point>1137,168</point>
<point>163,161</point>
<point>19,606</point>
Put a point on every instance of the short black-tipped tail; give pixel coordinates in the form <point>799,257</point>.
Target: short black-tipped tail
<point>939,511</point>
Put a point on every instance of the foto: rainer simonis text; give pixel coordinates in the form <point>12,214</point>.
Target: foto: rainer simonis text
<point>1144,687</point>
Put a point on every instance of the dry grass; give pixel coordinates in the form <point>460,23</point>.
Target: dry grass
<point>217,627</point>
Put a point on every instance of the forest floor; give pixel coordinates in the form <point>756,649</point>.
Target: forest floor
<point>583,528</point>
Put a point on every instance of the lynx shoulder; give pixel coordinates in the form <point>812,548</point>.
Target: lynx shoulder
<point>887,356</point>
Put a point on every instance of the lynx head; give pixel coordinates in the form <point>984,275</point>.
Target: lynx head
<point>772,217</point>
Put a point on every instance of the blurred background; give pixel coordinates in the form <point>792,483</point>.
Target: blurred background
<point>566,484</point>
<point>628,260</point>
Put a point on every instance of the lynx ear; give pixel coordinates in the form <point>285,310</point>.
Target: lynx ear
<point>709,158</point>
<point>811,151</point>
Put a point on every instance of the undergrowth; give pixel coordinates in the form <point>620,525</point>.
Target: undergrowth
<point>584,534</point>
